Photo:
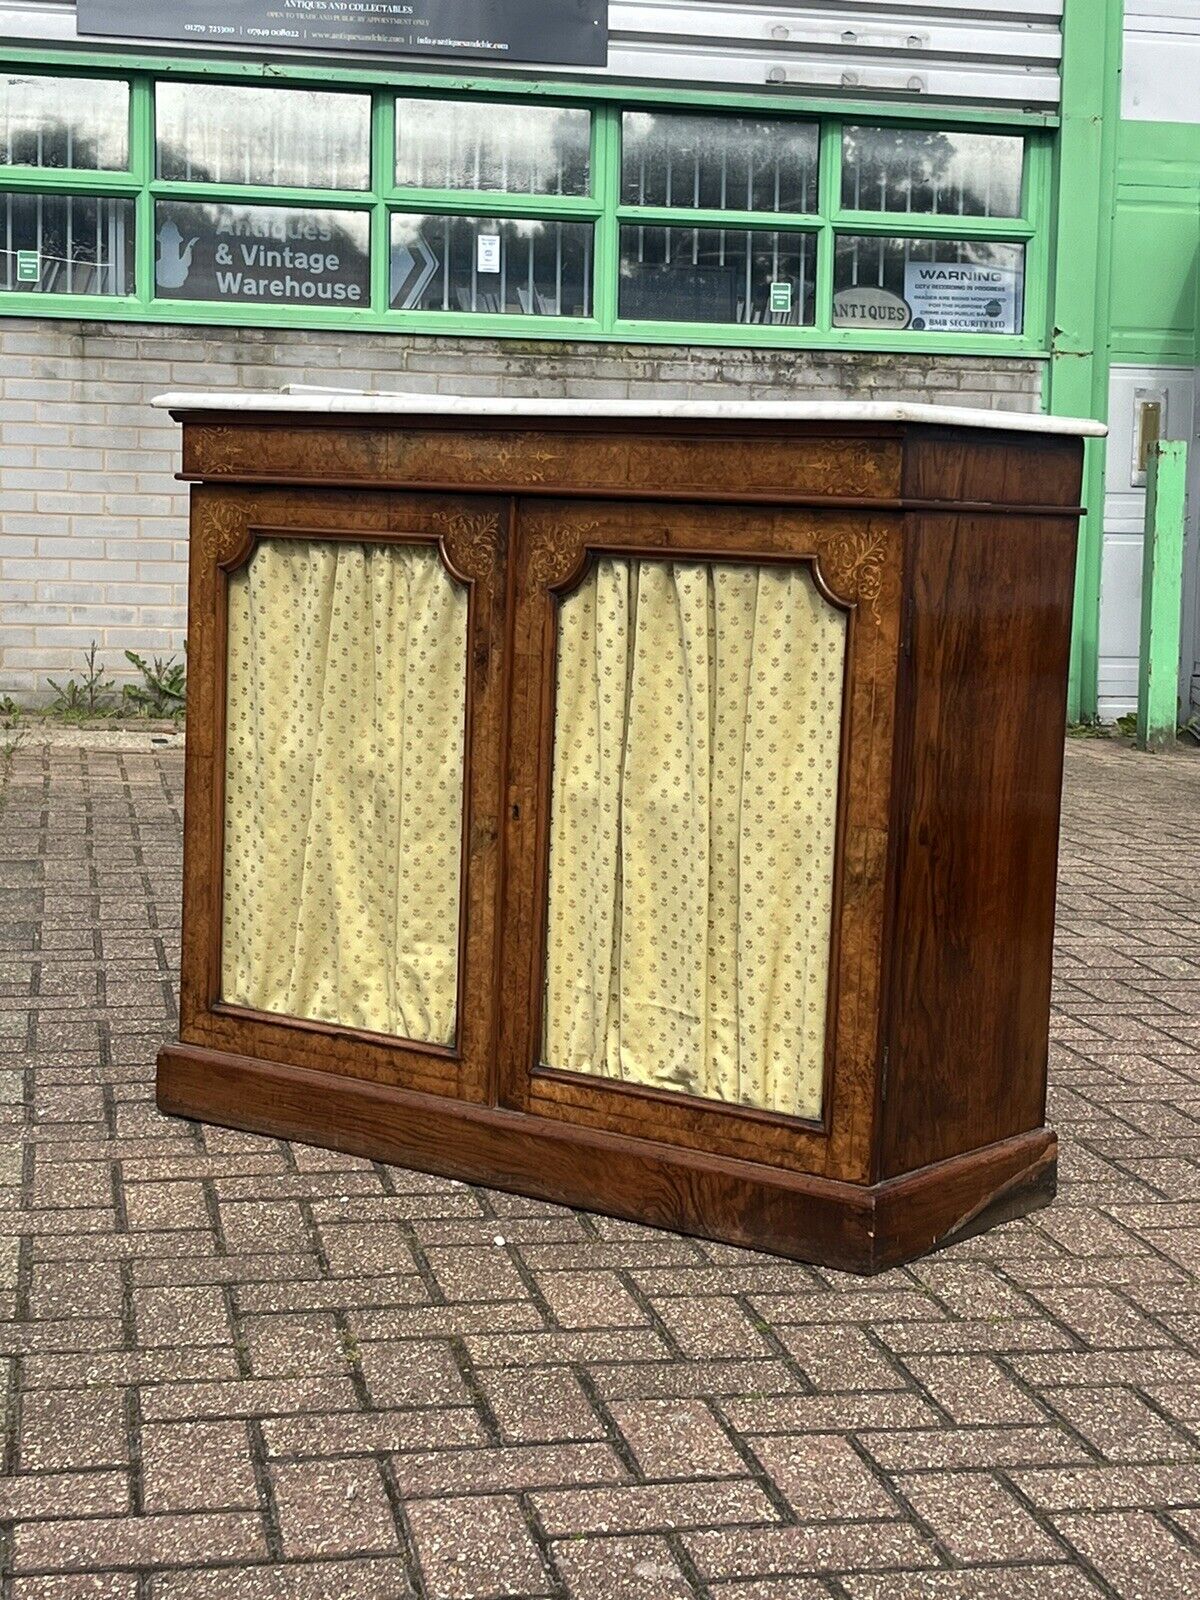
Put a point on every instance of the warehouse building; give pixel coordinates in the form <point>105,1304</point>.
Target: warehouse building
<point>567,197</point>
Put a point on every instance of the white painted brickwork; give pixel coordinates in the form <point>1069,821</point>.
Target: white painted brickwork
<point>93,526</point>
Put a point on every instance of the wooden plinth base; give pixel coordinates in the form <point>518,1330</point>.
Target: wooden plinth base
<point>832,1224</point>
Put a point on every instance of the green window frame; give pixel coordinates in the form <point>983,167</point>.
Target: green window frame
<point>602,209</point>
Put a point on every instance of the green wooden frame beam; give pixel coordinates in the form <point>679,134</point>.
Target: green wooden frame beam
<point>1079,356</point>
<point>452,84</point>
<point>1162,595</point>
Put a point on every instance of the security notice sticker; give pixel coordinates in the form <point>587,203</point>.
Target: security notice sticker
<point>948,297</point>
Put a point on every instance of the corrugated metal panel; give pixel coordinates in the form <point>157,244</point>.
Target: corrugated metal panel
<point>954,50</point>
<point>979,52</point>
<point>1162,61</point>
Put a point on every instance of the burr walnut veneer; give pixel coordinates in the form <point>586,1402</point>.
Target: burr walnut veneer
<point>650,808</point>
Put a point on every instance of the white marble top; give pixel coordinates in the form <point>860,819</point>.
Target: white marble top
<point>359,403</point>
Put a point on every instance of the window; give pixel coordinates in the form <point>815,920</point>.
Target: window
<point>928,285</point>
<point>737,275</point>
<point>532,265</point>
<point>488,146</point>
<point>708,271</point>
<point>288,202</point>
<point>79,124</point>
<point>718,163</point>
<point>898,280</point>
<point>281,138</point>
<point>498,262</point>
<point>273,255</point>
<point>930,172</point>
<point>238,252</point>
<point>66,244</point>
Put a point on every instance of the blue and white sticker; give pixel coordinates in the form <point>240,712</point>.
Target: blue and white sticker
<point>955,297</point>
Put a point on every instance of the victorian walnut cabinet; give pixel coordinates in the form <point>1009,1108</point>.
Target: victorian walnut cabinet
<point>651,807</point>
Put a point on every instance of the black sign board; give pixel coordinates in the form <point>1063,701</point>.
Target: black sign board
<point>558,32</point>
<point>261,255</point>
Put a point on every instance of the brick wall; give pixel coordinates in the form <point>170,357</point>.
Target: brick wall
<point>93,526</point>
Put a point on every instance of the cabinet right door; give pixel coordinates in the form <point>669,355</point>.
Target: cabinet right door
<point>699,769</point>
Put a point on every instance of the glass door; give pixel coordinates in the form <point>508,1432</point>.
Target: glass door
<point>702,724</point>
<point>352,781</point>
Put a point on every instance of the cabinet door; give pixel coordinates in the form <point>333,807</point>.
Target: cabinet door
<point>699,768</point>
<point>343,782</point>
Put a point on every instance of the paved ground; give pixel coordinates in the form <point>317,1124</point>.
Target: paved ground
<point>241,1368</point>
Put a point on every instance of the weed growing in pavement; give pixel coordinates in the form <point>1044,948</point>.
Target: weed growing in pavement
<point>163,689</point>
<point>91,697</point>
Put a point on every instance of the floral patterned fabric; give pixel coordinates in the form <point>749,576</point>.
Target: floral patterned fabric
<point>346,696</point>
<point>697,737</point>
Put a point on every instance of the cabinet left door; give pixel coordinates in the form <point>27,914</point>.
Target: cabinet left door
<point>344,729</point>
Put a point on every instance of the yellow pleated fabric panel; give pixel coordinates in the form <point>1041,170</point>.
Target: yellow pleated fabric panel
<point>696,748</point>
<point>346,697</point>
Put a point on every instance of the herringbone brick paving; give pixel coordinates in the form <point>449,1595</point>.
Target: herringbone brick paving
<point>241,1368</point>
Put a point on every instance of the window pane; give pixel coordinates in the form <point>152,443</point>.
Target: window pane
<point>474,144</point>
<point>929,285</point>
<point>296,138</point>
<point>717,275</point>
<point>932,173</point>
<point>723,163</point>
<point>261,255</point>
<point>64,122</point>
<point>66,244</point>
<point>491,264</point>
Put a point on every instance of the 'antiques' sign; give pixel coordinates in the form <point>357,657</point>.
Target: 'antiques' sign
<point>562,32</point>
<point>865,306</point>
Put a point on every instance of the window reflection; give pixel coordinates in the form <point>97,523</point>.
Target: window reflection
<point>530,266</point>
<point>930,172</point>
<point>738,275</point>
<point>80,123</point>
<point>718,163</point>
<point>283,138</point>
<point>66,244</point>
<point>489,145</point>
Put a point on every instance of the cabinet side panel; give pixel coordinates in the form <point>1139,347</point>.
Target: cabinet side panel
<point>969,465</point>
<point>989,611</point>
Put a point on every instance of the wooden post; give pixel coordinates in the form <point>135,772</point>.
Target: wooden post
<point>1162,594</point>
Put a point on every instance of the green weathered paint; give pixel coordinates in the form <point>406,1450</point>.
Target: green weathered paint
<point>1156,239</point>
<point>1162,595</point>
<point>1152,321</point>
<point>1078,372</point>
